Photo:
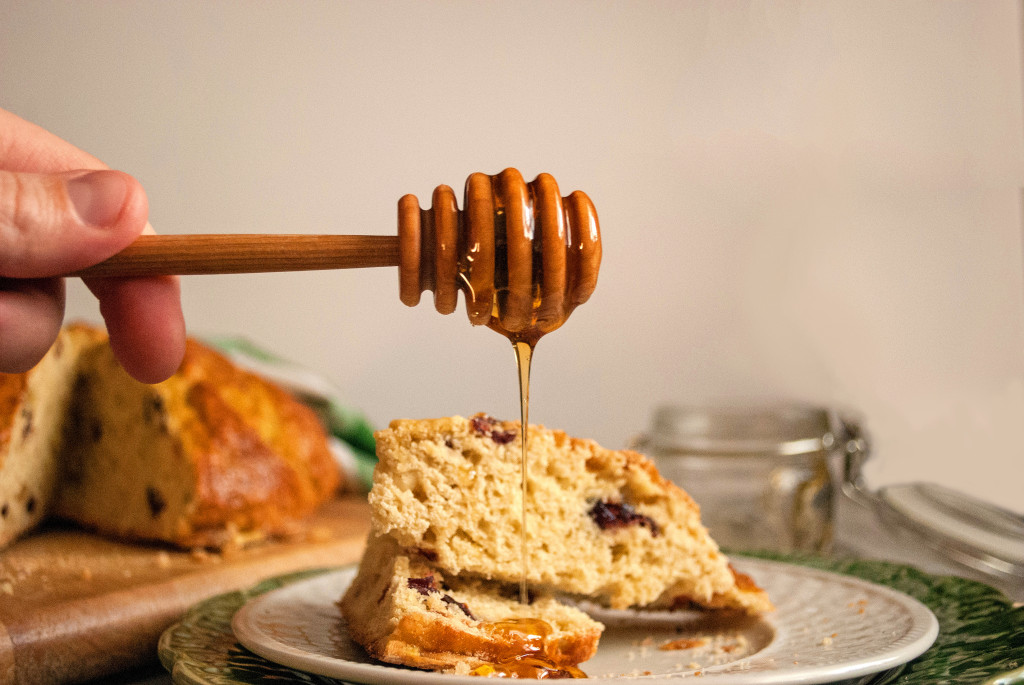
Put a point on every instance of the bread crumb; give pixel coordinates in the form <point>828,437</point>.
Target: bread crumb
<point>826,641</point>
<point>684,643</point>
<point>860,604</point>
<point>694,665</point>
<point>738,643</point>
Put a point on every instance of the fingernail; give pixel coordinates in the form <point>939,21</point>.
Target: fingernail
<point>98,196</point>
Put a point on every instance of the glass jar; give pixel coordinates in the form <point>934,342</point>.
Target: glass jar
<point>766,476</point>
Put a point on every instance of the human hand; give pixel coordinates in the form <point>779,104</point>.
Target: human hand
<point>61,210</point>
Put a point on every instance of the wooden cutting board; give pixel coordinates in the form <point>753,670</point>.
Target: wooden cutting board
<point>75,606</point>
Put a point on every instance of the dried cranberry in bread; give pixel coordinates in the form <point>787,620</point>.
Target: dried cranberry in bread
<point>212,456</point>
<point>601,523</point>
<point>403,610</point>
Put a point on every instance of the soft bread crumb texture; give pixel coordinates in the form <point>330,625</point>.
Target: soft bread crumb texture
<point>32,410</point>
<point>451,489</point>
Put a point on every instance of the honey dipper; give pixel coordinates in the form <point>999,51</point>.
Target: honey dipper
<point>523,256</point>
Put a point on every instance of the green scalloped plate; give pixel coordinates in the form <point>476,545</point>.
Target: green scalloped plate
<point>981,633</point>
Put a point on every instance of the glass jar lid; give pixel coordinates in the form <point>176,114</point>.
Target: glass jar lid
<point>958,526</point>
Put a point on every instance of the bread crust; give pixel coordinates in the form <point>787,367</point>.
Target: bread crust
<point>451,626</point>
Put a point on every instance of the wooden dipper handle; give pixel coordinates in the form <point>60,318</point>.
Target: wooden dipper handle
<point>152,255</point>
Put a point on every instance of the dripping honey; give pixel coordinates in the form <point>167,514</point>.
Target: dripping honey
<point>524,355</point>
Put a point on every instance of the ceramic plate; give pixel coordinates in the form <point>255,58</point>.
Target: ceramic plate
<point>827,627</point>
<point>981,632</point>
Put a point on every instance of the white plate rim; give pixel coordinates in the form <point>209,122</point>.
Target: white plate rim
<point>921,635</point>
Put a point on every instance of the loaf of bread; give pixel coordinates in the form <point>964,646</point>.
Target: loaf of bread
<point>212,456</point>
<point>403,610</point>
<point>601,524</point>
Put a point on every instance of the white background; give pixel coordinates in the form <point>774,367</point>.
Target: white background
<point>819,201</point>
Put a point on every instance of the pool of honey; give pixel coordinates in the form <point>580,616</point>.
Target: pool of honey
<point>524,654</point>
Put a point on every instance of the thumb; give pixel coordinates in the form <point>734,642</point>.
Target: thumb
<point>52,224</point>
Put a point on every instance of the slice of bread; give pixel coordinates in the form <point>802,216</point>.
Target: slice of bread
<point>403,610</point>
<point>601,524</point>
<point>32,410</point>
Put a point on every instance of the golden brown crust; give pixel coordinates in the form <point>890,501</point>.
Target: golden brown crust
<point>288,427</point>
<point>262,460</point>
<point>746,596</point>
<point>421,641</point>
<point>238,476</point>
<point>12,394</point>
